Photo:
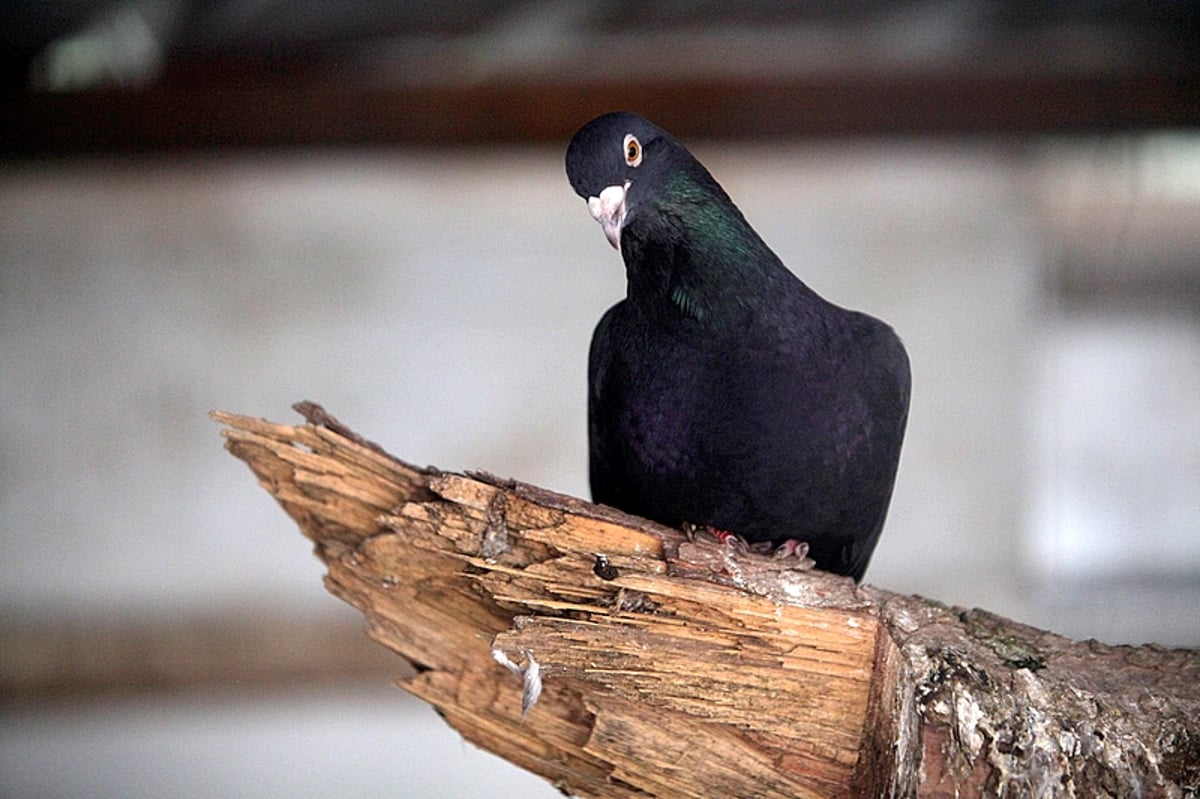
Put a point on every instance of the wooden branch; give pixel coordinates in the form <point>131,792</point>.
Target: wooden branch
<point>682,668</point>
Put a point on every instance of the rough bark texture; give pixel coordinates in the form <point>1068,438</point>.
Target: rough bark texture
<point>678,667</point>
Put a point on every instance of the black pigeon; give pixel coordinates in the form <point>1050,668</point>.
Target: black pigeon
<point>723,391</point>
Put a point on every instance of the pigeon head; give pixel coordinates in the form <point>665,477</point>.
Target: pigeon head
<point>681,237</point>
<point>619,163</point>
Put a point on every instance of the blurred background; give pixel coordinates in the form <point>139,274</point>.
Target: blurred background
<point>240,204</point>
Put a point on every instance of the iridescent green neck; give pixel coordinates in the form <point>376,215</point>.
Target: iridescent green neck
<point>720,266</point>
<point>713,222</point>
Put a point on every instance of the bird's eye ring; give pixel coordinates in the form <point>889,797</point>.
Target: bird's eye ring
<point>633,150</point>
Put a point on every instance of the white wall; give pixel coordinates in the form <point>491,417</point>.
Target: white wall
<point>441,304</point>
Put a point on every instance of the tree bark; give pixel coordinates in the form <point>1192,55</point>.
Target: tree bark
<point>647,662</point>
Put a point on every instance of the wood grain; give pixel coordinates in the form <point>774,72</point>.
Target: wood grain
<point>677,666</point>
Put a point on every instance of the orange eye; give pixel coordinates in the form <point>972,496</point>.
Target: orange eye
<point>633,150</point>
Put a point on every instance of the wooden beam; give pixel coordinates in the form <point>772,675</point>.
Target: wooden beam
<point>283,113</point>
<point>245,649</point>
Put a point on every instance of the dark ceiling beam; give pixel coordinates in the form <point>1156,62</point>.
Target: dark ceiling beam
<point>313,113</point>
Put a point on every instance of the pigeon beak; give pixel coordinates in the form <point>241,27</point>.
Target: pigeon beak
<point>609,210</point>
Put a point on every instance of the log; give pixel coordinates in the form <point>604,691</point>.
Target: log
<point>618,658</point>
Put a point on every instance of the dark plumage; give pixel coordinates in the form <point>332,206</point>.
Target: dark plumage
<point>723,391</point>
